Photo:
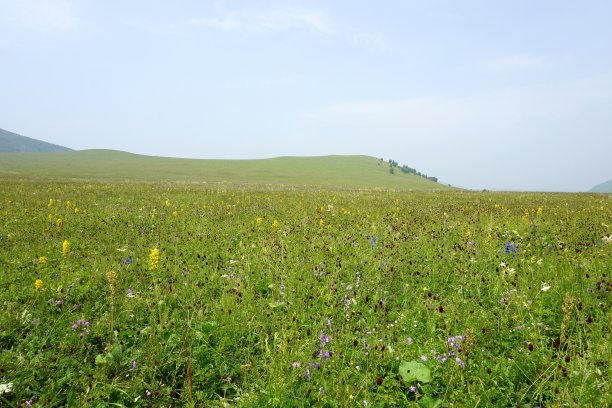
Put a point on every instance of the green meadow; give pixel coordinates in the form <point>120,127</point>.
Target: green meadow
<point>266,285</point>
<point>330,171</point>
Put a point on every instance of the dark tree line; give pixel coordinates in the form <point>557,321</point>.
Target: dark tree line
<point>407,170</point>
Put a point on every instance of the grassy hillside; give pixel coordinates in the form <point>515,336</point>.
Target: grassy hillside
<point>605,187</point>
<point>14,143</point>
<point>345,171</point>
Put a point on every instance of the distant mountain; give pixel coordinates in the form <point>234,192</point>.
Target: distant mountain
<point>13,143</point>
<point>602,188</point>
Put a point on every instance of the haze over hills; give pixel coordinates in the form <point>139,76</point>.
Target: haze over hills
<point>330,171</point>
<point>14,143</point>
<point>24,157</point>
<point>605,187</point>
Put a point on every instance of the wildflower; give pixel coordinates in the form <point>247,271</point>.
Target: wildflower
<point>545,287</point>
<point>423,358</point>
<point>373,242</point>
<point>460,362</point>
<point>307,374</point>
<point>6,388</point>
<point>130,293</point>
<point>365,403</point>
<point>295,364</point>
<point>65,248</point>
<point>153,258</point>
<point>42,260</point>
<point>127,261</point>
<point>510,248</point>
<point>275,224</point>
<point>409,340</point>
<point>58,222</point>
<point>111,278</point>
<point>50,203</point>
<point>38,283</point>
<point>413,389</point>
<point>258,220</point>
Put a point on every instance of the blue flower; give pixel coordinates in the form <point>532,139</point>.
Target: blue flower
<point>510,248</point>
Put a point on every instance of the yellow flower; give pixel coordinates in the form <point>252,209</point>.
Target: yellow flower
<point>68,204</point>
<point>153,258</point>
<point>111,278</point>
<point>42,260</point>
<point>50,203</point>
<point>58,222</point>
<point>258,220</point>
<point>65,248</point>
<point>168,203</point>
<point>275,224</point>
<point>38,284</point>
<point>539,211</point>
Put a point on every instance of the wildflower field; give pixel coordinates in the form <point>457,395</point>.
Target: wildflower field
<point>144,294</point>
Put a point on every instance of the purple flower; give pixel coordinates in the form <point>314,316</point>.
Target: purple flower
<point>460,362</point>
<point>295,364</point>
<point>510,248</point>
<point>413,389</point>
<point>424,358</point>
<point>74,326</point>
<point>307,373</point>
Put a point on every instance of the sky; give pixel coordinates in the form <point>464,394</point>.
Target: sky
<point>499,95</point>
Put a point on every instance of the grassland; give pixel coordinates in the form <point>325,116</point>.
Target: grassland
<point>144,294</point>
<point>332,171</point>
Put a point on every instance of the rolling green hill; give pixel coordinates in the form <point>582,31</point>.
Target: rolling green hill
<point>605,187</point>
<point>336,171</point>
<point>14,143</point>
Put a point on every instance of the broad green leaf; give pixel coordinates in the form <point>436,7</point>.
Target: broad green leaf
<point>414,371</point>
<point>430,402</point>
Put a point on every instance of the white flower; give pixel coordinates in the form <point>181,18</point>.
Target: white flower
<point>608,239</point>
<point>545,287</point>
<point>6,388</point>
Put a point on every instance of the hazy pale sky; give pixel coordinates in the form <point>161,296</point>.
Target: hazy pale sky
<point>509,95</point>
